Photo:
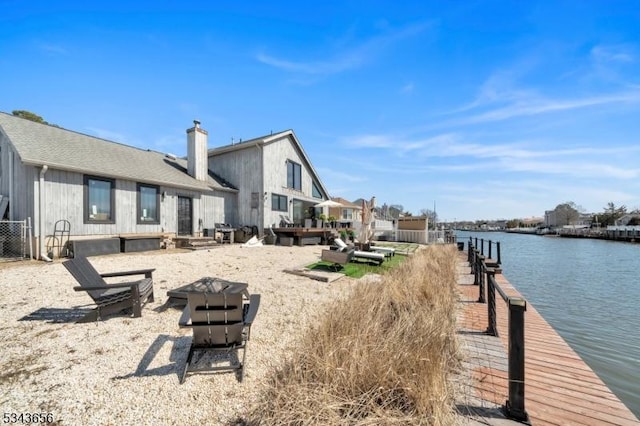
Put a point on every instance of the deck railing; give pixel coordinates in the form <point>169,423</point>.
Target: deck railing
<point>484,270</point>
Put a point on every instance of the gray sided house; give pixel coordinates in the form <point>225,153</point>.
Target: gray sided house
<point>274,177</point>
<point>105,188</point>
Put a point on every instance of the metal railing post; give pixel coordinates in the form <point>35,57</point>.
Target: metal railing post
<point>492,328</point>
<point>478,269</point>
<point>498,251</point>
<point>483,285</point>
<point>474,266</point>
<point>515,404</point>
<point>490,244</point>
<point>482,246</point>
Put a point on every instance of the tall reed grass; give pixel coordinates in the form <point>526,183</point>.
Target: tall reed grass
<point>383,356</point>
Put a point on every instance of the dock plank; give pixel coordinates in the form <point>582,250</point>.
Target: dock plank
<point>560,388</point>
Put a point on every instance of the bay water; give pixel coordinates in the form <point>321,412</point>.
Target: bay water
<point>588,290</point>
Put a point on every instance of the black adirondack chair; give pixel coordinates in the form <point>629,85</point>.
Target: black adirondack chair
<point>110,298</point>
<point>221,324</point>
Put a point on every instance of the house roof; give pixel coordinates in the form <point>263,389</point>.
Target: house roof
<point>267,139</point>
<point>346,203</point>
<point>40,144</point>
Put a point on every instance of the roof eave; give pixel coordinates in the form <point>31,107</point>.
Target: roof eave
<point>198,187</point>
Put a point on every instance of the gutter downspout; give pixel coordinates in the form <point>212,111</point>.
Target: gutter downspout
<point>43,256</point>
<point>261,209</point>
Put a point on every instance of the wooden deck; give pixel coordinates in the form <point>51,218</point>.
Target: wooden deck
<point>303,236</point>
<point>560,388</point>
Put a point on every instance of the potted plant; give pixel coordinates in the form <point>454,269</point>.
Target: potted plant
<point>332,220</point>
<point>320,220</point>
<point>308,222</point>
<point>352,235</point>
<point>343,236</point>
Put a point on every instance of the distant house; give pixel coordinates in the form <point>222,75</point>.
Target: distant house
<point>531,222</point>
<point>550,219</point>
<point>627,218</point>
<point>348,213</point>
<point>105,188</point>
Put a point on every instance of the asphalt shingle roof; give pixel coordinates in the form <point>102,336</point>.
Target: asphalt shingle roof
<point>40,144</point>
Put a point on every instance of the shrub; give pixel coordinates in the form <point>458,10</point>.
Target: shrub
<point>382,356</point>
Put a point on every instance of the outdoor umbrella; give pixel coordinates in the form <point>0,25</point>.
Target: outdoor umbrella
<point>328,203</point>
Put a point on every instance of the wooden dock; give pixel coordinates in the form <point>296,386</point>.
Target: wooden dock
<point>560,388</point>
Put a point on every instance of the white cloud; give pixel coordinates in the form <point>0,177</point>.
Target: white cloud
<point>400,144</point>
<point>318,67</point>
<point>612,53</point>
<point>53,49</point>
<point>331,174</point>
<point>346,59</point>
<point>580,169</point>
<point>407,88</point>
<point>531,107</point>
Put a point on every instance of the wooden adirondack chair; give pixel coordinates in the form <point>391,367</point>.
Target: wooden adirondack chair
<point>221,324</point>
<point>110,298</point>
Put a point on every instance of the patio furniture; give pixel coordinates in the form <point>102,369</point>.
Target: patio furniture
<point>286,222</point>
<point>387,251</point>
<point>221,324</point>
<point>337,258</point>
<point>376,257</point>
<point>110,298</point>
<point>178,296</point>
<point>226,232</point>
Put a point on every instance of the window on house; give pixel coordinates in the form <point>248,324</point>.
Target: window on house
<point>279,203</point>
<point>99,200</point>
<point>148,204</point>
<point>347,214</point>
<point>315,191</point>
<point>294,175</point>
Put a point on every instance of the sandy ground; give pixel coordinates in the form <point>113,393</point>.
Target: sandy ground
<point>126,370</point>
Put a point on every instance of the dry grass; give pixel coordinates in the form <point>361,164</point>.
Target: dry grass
<point>383,356</point>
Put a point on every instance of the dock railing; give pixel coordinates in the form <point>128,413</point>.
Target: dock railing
<point>484,269</point>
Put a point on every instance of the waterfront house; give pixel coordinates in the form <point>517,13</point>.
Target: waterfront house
<point>103,188</point>
<point>629,218</point>
<point>274,177</point>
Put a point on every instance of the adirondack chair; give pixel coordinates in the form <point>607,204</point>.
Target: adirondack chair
<point>221,324</point>
<point>110,298</point>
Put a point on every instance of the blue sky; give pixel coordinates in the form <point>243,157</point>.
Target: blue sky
<point>487,109</point>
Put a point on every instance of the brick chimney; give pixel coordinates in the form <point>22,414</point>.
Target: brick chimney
<point>197,161</point>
